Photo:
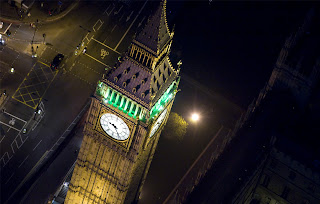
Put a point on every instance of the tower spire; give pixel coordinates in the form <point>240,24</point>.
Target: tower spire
<point>155,35</point>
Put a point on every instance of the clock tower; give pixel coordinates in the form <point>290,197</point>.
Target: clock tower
<point>128,111</point>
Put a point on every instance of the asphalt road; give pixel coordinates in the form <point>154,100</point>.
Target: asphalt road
<point>106,29</point>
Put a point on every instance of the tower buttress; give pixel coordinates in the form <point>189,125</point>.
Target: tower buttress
<point>127,114</point>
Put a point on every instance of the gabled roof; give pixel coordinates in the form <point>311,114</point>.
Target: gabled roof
<point>139,84</point>
<point>162,78</point>
<point>130,78</point>
<point>156,33</point>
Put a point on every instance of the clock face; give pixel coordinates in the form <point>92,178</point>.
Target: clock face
<point>158,123</point>
<point>114,126</point>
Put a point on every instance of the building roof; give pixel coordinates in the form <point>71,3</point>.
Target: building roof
<point>155,33</point>
<point>139,83</point>
<point>131,78</point>
<point>136,81</point>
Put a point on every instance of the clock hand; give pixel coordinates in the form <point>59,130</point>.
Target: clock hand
<point>115,127</point>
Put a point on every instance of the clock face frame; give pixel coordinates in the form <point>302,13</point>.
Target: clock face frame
<point>114,126</point>
<point>158,123</point>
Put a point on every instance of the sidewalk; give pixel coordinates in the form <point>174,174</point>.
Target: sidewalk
<point>43,11</point>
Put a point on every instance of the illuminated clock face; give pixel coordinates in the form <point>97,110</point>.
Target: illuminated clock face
<point>158,123</point>
<point>114,126</point>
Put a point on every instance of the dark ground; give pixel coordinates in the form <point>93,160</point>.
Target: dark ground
<point>230,48</point>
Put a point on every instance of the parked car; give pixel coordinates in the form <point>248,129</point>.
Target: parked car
<point>56,61</point>
<point>2,40</point>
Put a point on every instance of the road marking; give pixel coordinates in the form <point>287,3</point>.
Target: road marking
<point>29,174</point>
<point>43,63</point>
<point>121,17</point>
<point>81,78</point>
<point>14,142</point>
<point>15,59</point>
<point>104,53</point>
<point>128,18</point>
<point>9,126</point>
<point>23,161</point>
<point>9,178</point>
<point>87,67</point>
<point>36,145</point>
<point>56,50</point>
<point>105,39</point>
<point>42,51</point>
<point>7,29</point>
<point>113,28</point>
<point>21,141</point>
<point>22,102</point>
<point>98,21</point>
<point>105,11</point>
<point>44,74</point>
<point>110,11</point>
<point>3,159</point>
<point>76,119</point>
<point>95,59</point>
<point>140,23</point>
<point>86,38</point>
<point>2,138</point>
<point>14,116</point>
<point>106,46</point>
<point>116,12</point>
<point>34,127</point>
<point>21,96</point>
<point>130,25</point>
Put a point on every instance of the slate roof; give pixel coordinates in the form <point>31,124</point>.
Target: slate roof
<point>162,78</point>
<point>138,82</point>
<point>156,33</point>
<point>142,80</point>
<point>125,73</point>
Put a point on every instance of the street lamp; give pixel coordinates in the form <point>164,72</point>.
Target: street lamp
<point>35,29</point>
<point>82,42</point>
<point>195,117</point>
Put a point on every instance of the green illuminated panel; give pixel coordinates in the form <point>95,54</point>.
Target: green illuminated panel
<point>165,98</point>
<point>116,99</point>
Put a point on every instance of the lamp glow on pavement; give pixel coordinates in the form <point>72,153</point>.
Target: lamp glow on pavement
<point>195,117</point>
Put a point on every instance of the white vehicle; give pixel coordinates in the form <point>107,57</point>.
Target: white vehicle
<point>1,24</point>
<point>1,40</point>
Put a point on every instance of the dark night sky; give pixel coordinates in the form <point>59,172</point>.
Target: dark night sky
<point>232,46</point>
<point>229,47</point>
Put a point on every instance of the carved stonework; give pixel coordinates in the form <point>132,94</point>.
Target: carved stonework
<point>111,168</point>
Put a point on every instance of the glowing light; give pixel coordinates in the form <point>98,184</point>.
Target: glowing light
<point>168,94</point>
<point>99,84</point>
<point>195,117</point>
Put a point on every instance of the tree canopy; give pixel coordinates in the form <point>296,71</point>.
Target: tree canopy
<point>176,127</point>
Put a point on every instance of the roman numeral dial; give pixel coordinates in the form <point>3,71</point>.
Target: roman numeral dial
<point>114,126</point>
<point>158,123</point>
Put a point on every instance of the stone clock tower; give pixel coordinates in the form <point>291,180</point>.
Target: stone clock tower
<point>126,116</point>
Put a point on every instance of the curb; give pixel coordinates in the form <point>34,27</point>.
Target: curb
<point>63,14</point>
<point>46,20</point>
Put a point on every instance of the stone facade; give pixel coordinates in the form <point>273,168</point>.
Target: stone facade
<point>280,180</point>
<point>139,92</point>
